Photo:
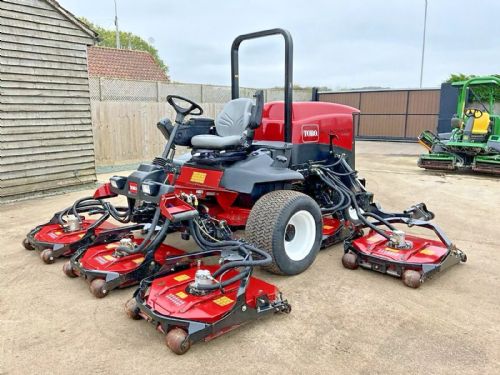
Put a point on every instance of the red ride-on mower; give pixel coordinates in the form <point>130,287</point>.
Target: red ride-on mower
<point>206,301</point>
<point>281,170</point>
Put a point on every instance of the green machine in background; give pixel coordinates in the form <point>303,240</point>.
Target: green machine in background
<point>474,142</point>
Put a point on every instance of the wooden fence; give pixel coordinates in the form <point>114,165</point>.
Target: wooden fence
<point>125,114</point>
<point>125,132</point>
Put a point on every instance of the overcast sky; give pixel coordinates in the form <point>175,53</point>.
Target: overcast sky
<point>337,43</point>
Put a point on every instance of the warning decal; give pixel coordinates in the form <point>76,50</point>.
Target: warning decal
<point>198,177</point>
<point>223,301</point>
<point>182,277</point>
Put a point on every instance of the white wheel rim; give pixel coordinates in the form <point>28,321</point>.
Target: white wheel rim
<point>300,234</point>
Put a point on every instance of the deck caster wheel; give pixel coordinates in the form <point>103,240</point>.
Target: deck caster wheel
<point>463,257</point>
<point>132,310</point>
<point>98,288</point>
<point>350,261</point>
<point>68,270</point>
<point>286,309</point>
<point>47,256</point>
<point>27,245</point>
<point>177,341</point>
<point>412,279</point>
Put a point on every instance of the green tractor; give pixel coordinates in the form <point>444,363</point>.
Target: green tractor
<point>474,142</point>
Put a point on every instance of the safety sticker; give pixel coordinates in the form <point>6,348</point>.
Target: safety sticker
<point>138,260</point>
<point>181,294</point>
<point>101,260</point>
<point>58,233</point>
<point>81,235</point>
<point>109,257</point>
<point>427,251</point>
<point>182,277</point>
<point>175,300</point>
<point>111,246</point>
<point>198,177</point>
<point>223,301</point>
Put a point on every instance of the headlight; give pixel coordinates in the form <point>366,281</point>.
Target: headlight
<point>150,188</point>
<point>118,182</point>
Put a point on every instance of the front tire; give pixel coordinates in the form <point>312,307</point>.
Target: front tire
<point>288,225</point>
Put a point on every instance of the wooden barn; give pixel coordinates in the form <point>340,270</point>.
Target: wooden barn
<point>46,141</point>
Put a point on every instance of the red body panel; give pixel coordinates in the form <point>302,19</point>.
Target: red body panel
<point>205,183</point>
<point>168,296</point>
<point>309,118</point>
<point>100,257</point>
<point>330,226</point>
<point>423,250</point>
<point>55,234</point>
<point>312,123</point>
<point>104,191</point>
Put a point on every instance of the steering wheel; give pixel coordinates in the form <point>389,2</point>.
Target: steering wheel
<point>473,112</point>
<point>182,110</point>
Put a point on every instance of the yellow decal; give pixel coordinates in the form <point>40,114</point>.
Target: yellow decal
<point>111,246</point>
<point>81,235</point>
<point>181,295</point>
<point>427,251</point>
<point>198,177</point>
<point>391,250</point>
<point>182,277</point>
<point>109,257</point>
<point>58,233</point>
<point>327,227</point>
<point>138,260</point>
<point>223,301</point>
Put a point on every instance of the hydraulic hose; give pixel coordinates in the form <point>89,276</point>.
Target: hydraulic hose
<point>333,180</point>
<point>149,234</point>
<point>239,246</point>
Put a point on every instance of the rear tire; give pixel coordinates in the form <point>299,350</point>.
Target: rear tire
<point>288,225</point>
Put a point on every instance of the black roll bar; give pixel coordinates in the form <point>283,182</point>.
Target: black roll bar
<point>235,85</point>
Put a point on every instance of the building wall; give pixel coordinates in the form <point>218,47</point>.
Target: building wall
<point>46,138</point>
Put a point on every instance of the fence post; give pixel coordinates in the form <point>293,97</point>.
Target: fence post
<point>202,99</point>
<point>100,89</point>
<point>406,112</point>
<point>158,98</point>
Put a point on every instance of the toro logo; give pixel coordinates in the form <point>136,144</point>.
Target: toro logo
<point>132,188</point>
<point>310,133</point>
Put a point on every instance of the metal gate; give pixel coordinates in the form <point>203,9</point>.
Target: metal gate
<point>390,114</point>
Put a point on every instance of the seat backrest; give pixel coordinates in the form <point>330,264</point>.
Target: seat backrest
<point>234,117</point>
<point>481,124</point>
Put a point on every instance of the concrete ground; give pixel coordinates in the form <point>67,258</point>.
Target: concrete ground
<point>342,321</point>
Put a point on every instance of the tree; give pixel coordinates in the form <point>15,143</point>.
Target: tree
<point>482,92</point>
<point>107,38</point>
